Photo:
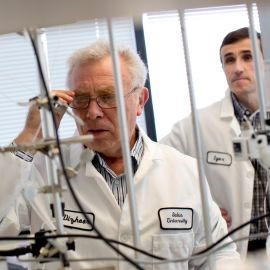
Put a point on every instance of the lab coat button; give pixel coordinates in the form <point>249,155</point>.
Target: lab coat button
<point>246,205</point>
<point>125,237</point>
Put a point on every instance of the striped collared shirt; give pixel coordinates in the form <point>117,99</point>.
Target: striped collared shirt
<point>118,184</point>
<point>260,202</point>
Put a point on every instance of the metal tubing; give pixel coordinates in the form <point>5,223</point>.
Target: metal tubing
<point>198,142</point>
<point>124,137</point>
<point>49,132</point>
<point>257,65</point>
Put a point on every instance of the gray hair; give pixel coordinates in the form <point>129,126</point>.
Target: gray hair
<point>101,49</point>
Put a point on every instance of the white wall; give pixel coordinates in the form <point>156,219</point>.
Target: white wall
<point>206,29</point>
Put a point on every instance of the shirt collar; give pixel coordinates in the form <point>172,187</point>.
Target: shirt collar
<point>137,150</point>
<point>241,112</point>
<point>136,154</point>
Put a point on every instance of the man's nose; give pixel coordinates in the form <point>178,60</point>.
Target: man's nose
<point>239,67</point>
<point>94,111</point>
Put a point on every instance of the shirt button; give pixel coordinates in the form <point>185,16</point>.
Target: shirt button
<point>117,182</point>
<point>261,209</point>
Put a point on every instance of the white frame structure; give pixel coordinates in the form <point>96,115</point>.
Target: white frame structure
<point>37,14</point>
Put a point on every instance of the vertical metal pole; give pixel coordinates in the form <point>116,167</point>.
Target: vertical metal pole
<point>257,65</point>
<point>264,18</point>
<point>124,137</point>
<point>48,132</point>
<point>198,142</point>
<point>264,12</point>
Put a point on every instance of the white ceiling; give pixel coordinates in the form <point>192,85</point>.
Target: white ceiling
<point>18,14</point>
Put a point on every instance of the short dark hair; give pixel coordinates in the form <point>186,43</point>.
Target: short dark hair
<point>238,35</point>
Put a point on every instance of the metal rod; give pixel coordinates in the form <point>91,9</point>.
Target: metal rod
<point>45,143</point>
<point>124,138</point>
<point>260,82</point>
<point>257,65</point>
<point>48,132</point>
<point>198,142</point>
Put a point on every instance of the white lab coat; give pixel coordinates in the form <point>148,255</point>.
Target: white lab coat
<point>230,181</point>
<point>164,179</point>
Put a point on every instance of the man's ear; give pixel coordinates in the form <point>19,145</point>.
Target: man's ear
<point>143,97</point>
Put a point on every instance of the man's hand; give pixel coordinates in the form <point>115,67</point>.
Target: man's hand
<point>226,216</point>
<point>32,128</point>
<point>65,96</point>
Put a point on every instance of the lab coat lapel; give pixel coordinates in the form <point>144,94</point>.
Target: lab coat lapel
<point>150,155</point>
<point>81,157</point>
<point>227,112</point>
<point>95,176</point>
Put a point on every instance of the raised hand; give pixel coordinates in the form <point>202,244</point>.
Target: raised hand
<point>32,128</point>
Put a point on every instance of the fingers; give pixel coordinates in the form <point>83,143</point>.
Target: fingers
<point>226,216</point>
<point>32,128</point>
<point>65,96</point>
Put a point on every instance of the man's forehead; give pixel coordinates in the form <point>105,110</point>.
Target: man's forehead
<point>93,91</point>
<point>235,53</point>
<point>96,80</point>
<point>98,75</point>
<point>241,47</point>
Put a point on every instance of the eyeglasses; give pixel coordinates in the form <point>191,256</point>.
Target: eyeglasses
<point>106,101</point>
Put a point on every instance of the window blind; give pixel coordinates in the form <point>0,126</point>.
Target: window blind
<point>18,82</point>
<point>18,72</point>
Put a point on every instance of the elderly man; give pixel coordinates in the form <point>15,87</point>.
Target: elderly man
<point>166,183</point>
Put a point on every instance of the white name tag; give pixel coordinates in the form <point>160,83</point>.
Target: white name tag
<point>175,218</point>
<point>219,158</point>
<point>76,220</point>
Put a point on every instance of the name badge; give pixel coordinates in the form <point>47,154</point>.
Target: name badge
<point>175,218</point>
<point>76,220</point>
<point>219,158</point>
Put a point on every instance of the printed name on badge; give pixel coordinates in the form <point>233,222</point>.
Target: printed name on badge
<point>219,158</point>
<point>76,220</point>
<point>174,218</point>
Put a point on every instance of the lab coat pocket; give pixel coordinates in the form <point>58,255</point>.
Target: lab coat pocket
<point>173,246</point>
